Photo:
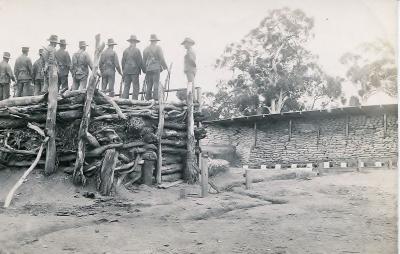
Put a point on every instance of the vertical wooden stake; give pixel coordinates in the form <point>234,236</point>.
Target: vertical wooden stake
<point>255,134</point>
<point>160,131</point>
<point>51,152</point>
<point>384,124</point>
<point>248,179</point>
<point>204,175</point>
<point>290,130</point>
<point>199,101</point>
<point>190,173</point>
<point>347,126</point>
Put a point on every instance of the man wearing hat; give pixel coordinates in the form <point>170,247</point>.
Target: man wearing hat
<point>23,73</point>
<point>154,64</point>
<point>81,63</point>
<point>189,60</point>
<point>49,56</point>
<point>64,65</point>
<point>131,67</point>
<point>6,75</point>
<point>38,74</point>
<point>108,64</point>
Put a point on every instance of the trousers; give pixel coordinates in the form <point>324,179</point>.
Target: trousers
<point>128,79</point>
<point>79,83</point>
<point>62,82</point>
<point>4,91</point>
<point>152,81</point>
<point>38,86</point>
<point>108,80</point>
<point>23,88</point>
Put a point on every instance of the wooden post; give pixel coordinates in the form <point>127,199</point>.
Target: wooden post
<point>190,172</point>
<point>255,134</point>
<point>78,176</point>
<point>204,175</point>
<point>248,179</point>
<point>290,130</point>
<point>384,124</point>
<point>199,101</point>
<point>51,152</point>
<point>160,131</point>
<point>147,172</point>
<point>347,127</point>
<point>106,176</point>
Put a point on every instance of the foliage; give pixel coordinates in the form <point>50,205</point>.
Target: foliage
<point>272,68</point>
<point>372,68</point>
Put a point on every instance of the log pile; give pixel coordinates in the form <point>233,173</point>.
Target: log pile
<point>121,139</point>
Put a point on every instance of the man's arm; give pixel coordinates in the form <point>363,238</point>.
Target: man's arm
<point>116,63</point>
<point>145,56</point>
<point>29,66</point>
<point>10,73</point>
<point>34,70</point>
<point>68,61</point>
<point>123,60</point>
<point>140,61</point>
<point>16,71</point>
<point>162,60</point>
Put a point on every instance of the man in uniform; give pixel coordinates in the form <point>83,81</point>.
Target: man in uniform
<point>154,64</point>
<point>81,63</point>
<point>64,65</point>
<point>49,56</point>
<point>6,75</point>
<point>189,60</point>
<point>108,64</point>
<point>23,73</point>
<point>38,74</point>
<point>131,67</point>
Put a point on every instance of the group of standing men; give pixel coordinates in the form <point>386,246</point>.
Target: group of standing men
<point>133,64</point>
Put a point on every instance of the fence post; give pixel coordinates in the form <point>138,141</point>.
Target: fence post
<point>204,175</point>
<point>248,179</point>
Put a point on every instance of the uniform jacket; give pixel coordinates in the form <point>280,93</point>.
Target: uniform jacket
<point>49,55</point>
<point>6,74</point>
<point>109,62</point>
<point>190,61</point>
<point>153,59</point>
<point>63,62</point>
<point>23,68</point>
<point>132,61</point>
<point>80,64</point>
<point>38,69</point>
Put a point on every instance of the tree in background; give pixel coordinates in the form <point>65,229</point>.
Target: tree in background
<point>273,71</point>
<point>372,68</point>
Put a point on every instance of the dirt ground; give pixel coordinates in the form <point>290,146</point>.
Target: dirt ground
<point>351,212</point>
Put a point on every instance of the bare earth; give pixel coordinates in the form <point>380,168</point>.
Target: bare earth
<point>338,213</point>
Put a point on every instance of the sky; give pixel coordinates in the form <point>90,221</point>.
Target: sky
<point>340,26</point>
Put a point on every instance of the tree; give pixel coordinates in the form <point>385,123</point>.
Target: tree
<point>272,68</point>
<point>372,68</point>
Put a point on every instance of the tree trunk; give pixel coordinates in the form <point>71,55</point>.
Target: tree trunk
<point>51,152</point>
<point>190,173</point>
<point>106,177</point>
<point>147,172</point>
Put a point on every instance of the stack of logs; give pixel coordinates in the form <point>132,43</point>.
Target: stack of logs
<point>121,141</point>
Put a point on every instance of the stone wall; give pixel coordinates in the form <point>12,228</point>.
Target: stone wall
<point>313,139</point>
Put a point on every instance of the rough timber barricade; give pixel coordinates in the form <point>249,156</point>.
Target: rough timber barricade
<point>89,134</point>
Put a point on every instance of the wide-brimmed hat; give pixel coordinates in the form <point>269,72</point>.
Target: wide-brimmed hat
<point>188,40</point>
<point>154,37</point>
<point>6,55</point>
<point>82,44</point>
<point>25,48</point>
<point>63,42</point>
<point>133,38</point>
<point>53,38</point>
<point>111,42</point>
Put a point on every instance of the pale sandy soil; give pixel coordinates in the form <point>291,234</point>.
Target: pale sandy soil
<point>340,213</point>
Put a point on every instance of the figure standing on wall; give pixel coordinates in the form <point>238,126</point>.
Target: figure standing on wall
<point>81,62</point>
<point>6,75</point>
<point>189,60</point>
<point>64,65</point>
<point>108,64</point>
<point>23,73</point>
<point>49,55</point>
<point>153,59</point>
<point>131,67</point>
<point>38,74</point>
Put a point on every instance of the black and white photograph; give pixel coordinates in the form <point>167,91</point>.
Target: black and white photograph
<point>199,126</point>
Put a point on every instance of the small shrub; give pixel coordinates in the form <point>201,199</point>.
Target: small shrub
<point>217,166</point>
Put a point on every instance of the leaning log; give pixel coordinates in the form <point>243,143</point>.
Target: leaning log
<point>25,175</point>
<point>79,177</point>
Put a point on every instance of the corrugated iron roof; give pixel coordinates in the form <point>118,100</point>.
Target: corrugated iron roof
<point>313,113</point>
